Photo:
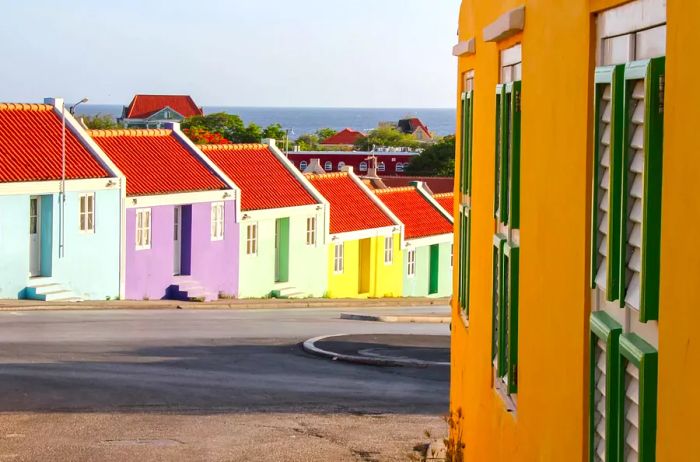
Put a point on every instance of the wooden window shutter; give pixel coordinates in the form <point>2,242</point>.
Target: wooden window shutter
<point>512,194</point>
<point>511,275</point>
<point>500,98</point>
<point>642,160</point>
<point>498,352</point>
<point>607,175</point>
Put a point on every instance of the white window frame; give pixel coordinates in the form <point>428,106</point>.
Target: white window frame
<point>399,167</point>
<point>381,166</point>
<point>144,223</point>
<point>87,215</point>
<point>389,250</point>
<point>311,231</point>
<point>251,247</point>
<point>339,258</point>
<point>328,166</point>
<point>363,166</point>
<point>411,267</point>
<point>303,164</point>
<point>217,221</point>
<point>341,164</point>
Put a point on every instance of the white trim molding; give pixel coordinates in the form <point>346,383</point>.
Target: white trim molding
<point>54,186</point>
<point>464,47</point>
<point>312,210</point>
<point>363,234</point>
<point>181,198</point>
<point>430,240</point>
<point>507,25</point>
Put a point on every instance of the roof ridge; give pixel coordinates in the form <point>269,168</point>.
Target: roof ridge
<point>396,189</point>
<point>131,132</point>
<point>232,146</point>
<point>322,176</point>
<point>25,107</point>
<point>447,194</point>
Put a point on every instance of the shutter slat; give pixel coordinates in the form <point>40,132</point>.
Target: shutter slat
<point>638,137</point>
<point>636,213</point>
<point>638,115</point>
<point>604,221</point>
<point>605,202</point>
<point>637,187</point>
<point>636,236</point>
<point>603,248</point>
<point>605,159</point>
<point>633,297</point>
<point>607,113</point>
<point>637,165</point>
<point>638,91</point>
<point>605,139</point>
<point>605,181</point>
<point>602,275</point>
<point>635,262</point>
<point>607,93</point>
<point>631,413</point>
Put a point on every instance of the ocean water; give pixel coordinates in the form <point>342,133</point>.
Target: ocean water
<point>308,120</point>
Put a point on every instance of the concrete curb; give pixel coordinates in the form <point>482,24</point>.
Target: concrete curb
<point>310,347</point>
<point>419,319</point>
<point>245,304</point>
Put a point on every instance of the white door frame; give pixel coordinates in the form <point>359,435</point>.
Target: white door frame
<point>35,236</point>
<point>177,240</point>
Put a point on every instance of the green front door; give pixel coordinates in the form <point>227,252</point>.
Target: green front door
<point>434,268</point>
<point>282,250</point>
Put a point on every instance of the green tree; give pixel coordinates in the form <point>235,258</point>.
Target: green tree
<point>232,128</point>
<point>386,136</point>
<point>308,142</point>
<point>437,159</point>
<point>325,133</point>
<point>275,132</point>
<point>100,122</point>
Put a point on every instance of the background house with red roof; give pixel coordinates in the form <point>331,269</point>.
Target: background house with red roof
<point>428,234</point>
<point>180,216</point>
<point>284,222</point>
<point>154,111</point>
<point>364,251</point>
<point>59,234</point>
<point>389,161</point>
<point>345,138</point>
<point>414,126</point>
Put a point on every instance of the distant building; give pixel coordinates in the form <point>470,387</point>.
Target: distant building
<point>390,162</point>
<point>346,137</point>
<point>414,126</point>
<point>153,111</point>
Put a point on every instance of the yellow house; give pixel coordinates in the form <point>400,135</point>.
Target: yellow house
<point>574,332</point>
<point>365,258</point>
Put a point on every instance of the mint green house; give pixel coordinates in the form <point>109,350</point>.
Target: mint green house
<point>283,222</point>
<point>428,238</point>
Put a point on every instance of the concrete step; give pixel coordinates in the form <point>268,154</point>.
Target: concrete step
<point>40,281</point>
<point>48,290</point>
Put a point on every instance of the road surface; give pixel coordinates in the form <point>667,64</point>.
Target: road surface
<point>206,385</point>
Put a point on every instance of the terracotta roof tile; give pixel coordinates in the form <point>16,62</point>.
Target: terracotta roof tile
<point>143,106</point>
<point>345,136</point>
<point>264,181</point>
<point>420,217</point>
<point>446,201</point>
<point>156,162</point>
<point>30,146</point>
<point>351,207</point>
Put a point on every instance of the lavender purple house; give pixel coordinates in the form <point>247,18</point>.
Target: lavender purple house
<point>180,216</point>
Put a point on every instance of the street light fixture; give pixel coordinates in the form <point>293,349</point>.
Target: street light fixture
<point>72,108</point>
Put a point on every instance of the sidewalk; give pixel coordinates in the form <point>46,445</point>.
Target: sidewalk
<point>232,304</point>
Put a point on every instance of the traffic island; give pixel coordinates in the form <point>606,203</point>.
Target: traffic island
<point>390,350</point>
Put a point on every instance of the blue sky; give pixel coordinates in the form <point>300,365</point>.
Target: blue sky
<point>306,53</point>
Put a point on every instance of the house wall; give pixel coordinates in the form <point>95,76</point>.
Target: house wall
<point>418,285</point>
<point>214,264</point>
<point>354,159</point>
<point>551,417</point>
<point>90,266</point>
<point>385,280</point>
<point>307,269</point>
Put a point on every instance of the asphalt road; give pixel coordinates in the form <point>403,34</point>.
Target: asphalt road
<point>205,385</point>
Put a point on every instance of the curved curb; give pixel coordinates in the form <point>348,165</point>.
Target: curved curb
<point>417,319</point>
<point>310,347</point>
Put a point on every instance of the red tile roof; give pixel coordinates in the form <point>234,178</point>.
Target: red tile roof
<point>420,217</point>
<point>30,146</point>
<point>156,162</point>
<point>264,181</point>
<point>446,201</point>
<point>437,184</point>
<point>351,207</point>
<point>345,136</point>
<point>143,106</point>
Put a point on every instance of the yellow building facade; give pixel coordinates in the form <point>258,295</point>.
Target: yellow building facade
<point>574,322</point>
<point>365,272</point>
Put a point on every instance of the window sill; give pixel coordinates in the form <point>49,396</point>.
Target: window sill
<point>464,318</point>
<point>509,401</point>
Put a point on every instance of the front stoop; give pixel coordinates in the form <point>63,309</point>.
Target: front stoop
<point>188,289</point>
<point>48,290</point>
<point>287,292</point>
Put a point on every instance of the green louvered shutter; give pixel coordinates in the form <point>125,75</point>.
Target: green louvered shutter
<point>642,154</point>
<point>497,353</point>
<point>511,290</point>
<point>513,175</point>
<point>607,169</point>
<point>498,154</point>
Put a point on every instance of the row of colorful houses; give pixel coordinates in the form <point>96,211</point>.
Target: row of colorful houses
<point>146,214</point>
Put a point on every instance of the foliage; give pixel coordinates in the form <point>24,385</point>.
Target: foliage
<point>437,159</point>
<point>325,133</point>
<point>232,128</point>
<point>308,142</point>
<point>455,442</point>
<point>202,136</point>
<point>386,136</point>
<point>100,122</point>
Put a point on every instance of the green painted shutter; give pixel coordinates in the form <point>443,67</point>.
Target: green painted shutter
<point>604,382</point>
<point>607,175</point>
<point>500,98</point>
<point>504,161</point>
<point>512,195</point>
<point>497,342</point>
<point>642,162</point>
<point>511,275</point>
<point>462,260</point>
<point>637,391</point>
<point>467,257</point>
<point>467,132</point>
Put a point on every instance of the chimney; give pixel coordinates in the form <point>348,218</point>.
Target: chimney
<point>314,167</point>
<point>372,167</point>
